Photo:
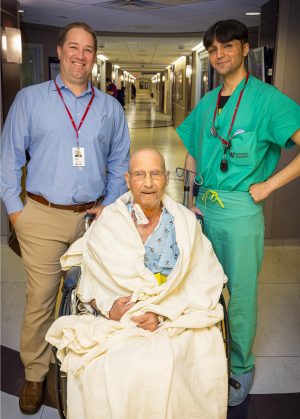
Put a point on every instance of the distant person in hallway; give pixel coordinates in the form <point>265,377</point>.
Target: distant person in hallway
<point>111,88</point>
<point>133,91</point>
<point>152,279</point>
<point>57,116</point>
<point>234,139</point>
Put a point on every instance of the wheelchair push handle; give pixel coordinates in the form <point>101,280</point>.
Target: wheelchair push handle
<point>199,218</point>
<point>180,172</point>
<point>88,219</point>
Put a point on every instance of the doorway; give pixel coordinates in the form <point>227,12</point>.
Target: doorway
<point>32,65</point>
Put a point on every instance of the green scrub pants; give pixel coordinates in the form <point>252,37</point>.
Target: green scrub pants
<point>237,235</point>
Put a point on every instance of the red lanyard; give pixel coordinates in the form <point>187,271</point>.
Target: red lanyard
<point>69,113</point>
<point>213,130</point>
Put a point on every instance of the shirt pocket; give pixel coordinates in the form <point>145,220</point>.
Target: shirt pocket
<point>102,128</point>
<point>243,151</point>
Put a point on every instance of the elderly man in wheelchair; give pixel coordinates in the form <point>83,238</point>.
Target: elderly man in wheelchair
<point>146,343</point>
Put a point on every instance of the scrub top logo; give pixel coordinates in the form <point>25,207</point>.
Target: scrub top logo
<point>232,154</point>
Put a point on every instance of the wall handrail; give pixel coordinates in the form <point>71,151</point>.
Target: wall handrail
<point>177,106</point>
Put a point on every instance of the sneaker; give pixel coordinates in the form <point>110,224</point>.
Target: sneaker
<point>237,397</point>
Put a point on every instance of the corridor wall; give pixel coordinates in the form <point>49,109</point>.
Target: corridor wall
<point>179,96</point>
<point>140,91</point>
<point>108,70</point>
<point>194,84</point>
<point>48,39</point>
<point>282,207</point>
<point>168,92</point>
<point>10,78</point>
<point>161,92</point>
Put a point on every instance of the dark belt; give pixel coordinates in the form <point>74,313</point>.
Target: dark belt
<point>75,208</point>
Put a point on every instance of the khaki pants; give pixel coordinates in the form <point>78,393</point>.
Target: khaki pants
<point>44,235</point>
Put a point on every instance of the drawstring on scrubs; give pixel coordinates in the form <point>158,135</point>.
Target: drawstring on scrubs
<point>214,197</point>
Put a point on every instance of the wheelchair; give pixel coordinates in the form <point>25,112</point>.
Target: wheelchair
<point>69,303</point>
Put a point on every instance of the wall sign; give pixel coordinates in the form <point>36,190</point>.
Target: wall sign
<point>54,67</point>
<point>144,85</point>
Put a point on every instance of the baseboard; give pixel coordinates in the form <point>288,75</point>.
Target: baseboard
<point>4,240</point>
<point>282,242</point>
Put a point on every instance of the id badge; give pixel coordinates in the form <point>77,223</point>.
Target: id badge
<point>78,156</point>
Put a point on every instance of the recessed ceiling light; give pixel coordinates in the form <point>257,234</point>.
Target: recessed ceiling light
<point>139,27</point>
<point>21,11</point>
<point>252,13</point>
<point>198,47</point>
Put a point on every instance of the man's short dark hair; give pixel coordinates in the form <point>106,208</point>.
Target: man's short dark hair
<point>107,79</point>
<point>226,31</point>
<point>63,33</point>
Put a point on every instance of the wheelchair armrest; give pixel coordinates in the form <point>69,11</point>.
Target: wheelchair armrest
<point>72,277</point>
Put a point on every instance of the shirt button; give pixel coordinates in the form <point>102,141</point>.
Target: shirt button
<point>80,168</point>
<point>79,187</point>
<point>78,132</point>
<point>78,114</point>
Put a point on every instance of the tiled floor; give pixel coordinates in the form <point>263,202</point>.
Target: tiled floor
<point>277,345</point>
<point>143,112</point>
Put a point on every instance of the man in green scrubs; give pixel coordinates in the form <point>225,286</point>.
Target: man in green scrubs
<point>236,154</point>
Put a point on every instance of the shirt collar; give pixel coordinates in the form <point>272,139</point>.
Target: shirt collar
<point>61,85</point>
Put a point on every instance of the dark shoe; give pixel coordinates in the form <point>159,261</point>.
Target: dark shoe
<point>31,398</point>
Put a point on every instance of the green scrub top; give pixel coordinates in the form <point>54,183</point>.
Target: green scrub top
<point>268,118</point>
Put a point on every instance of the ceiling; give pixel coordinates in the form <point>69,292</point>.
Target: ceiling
<point>128,25</point>
<point>145,54</point>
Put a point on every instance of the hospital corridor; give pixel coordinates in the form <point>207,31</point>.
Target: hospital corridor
<point>185,97</point>
<point>276,350</point>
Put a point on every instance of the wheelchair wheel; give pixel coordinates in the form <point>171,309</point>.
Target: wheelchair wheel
<point>60,376</point>
<point>61,391</point>
<point>225,333</point>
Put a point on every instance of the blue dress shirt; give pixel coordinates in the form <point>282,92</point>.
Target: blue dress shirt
<point>39,122</point>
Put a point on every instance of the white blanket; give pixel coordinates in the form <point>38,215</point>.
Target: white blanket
<point>117,370</point>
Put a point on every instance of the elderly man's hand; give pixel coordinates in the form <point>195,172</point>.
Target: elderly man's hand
<point>96,211</point>
<point>148,321</point>
<point>120,308</point>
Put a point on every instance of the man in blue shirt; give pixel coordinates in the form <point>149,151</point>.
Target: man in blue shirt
<point>73,132</point>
